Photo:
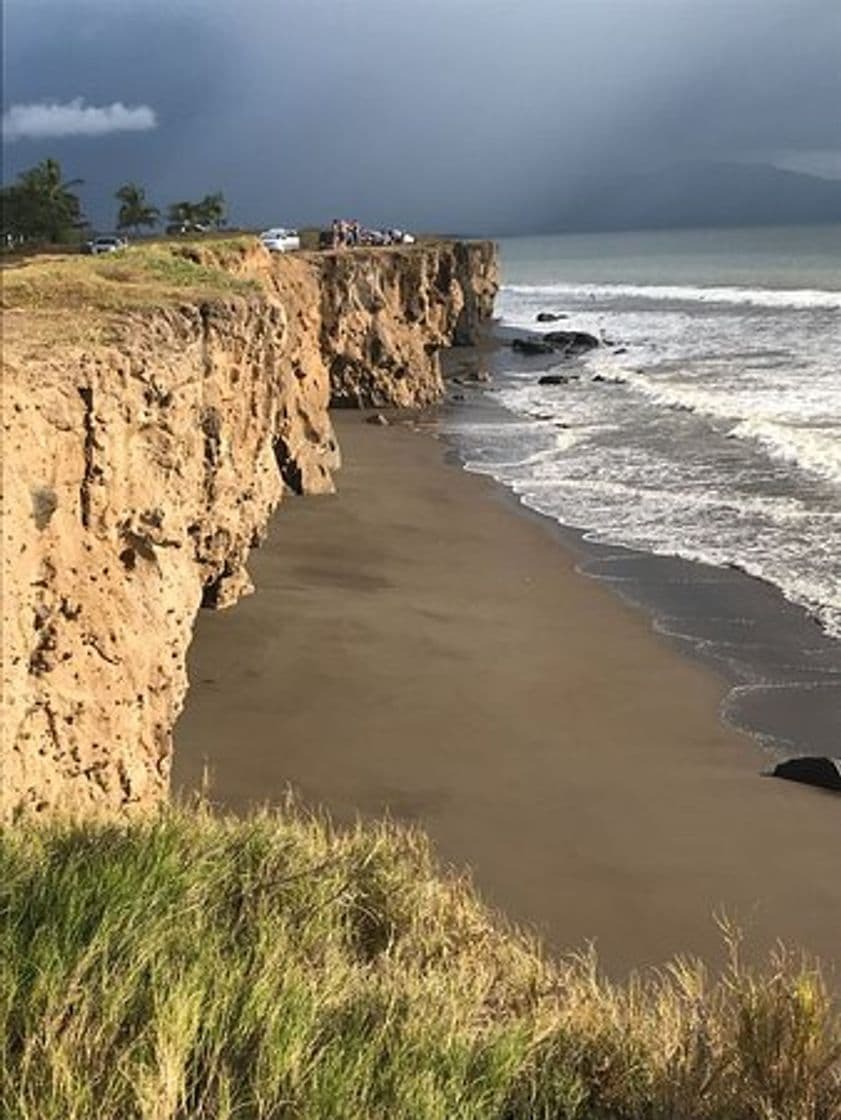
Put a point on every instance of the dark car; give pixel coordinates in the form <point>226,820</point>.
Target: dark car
<point>174,229</point>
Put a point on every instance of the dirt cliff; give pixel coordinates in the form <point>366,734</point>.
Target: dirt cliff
<point>156,408</point>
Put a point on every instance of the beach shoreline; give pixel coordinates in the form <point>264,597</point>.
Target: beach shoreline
<point>418,647</point>
<point>781,667</point>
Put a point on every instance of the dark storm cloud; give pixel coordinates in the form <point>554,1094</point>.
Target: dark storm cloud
<point>451,114</point>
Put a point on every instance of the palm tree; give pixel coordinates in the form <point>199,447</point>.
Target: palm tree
<point>45,179</point>
<point>212,209</point>
<point>44,204</point>
<point>183,213</point>
<point>134,210</point>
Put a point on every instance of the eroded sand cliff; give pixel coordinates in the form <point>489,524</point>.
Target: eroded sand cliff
<point>155,411</point>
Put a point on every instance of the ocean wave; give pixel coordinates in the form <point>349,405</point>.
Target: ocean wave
<point>814,449</point>
<point>667,525</point>
<point>562,441</point>
<point>756,366</point>
<point>796,298</point>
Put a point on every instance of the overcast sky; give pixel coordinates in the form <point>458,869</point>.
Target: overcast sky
<point>454,115</point>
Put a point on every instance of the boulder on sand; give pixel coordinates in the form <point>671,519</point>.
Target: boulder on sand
<point>813,770</point>
<point>549,316</point>
<point>532,346</point>
<point>571,343</point>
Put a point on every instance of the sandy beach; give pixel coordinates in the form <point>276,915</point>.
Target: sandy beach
<point>418,646</point>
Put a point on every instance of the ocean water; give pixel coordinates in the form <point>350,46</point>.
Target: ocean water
<point>706,428</point>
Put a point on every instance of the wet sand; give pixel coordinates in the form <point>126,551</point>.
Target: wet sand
<point>416,645</point>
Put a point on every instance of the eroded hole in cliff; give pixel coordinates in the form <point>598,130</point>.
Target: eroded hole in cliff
<point>44,505</point>
<point>288,466</point>
<point>444,277</point>
<point>211,425</point>
<point>136,547</point>
<point>214,592</point>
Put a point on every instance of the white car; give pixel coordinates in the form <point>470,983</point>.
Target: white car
<point>104,245</point>
<point>280,240</point>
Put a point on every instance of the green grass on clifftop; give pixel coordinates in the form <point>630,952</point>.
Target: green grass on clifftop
<point>140,275</point>
<point>194,966</point>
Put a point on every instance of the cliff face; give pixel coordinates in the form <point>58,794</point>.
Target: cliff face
<point>385,318</point>
<point>142,460</point>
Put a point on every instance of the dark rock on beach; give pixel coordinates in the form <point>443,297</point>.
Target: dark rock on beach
<point>600,377</point>
<point>557,379</point>
<point>549,317</point>
<point>531,346</point>
<point>572,343</point>
<point>814,771</point>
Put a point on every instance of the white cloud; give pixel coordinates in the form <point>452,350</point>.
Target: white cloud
<point>51,119</point>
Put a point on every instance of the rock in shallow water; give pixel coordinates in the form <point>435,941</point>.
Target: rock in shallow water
<point>814,771</point>
<point>572,342</point>
<point>531,346</point>
<point>568,343</point>
<point>556,379</point>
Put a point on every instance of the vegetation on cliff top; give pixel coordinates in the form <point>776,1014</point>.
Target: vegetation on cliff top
<point>40,206</point>
<point>140,275</point>
<point>195,966</point>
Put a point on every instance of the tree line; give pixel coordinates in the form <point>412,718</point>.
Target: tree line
<point>42,206</point>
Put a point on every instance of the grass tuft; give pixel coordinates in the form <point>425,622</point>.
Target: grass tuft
<point>197,966</point>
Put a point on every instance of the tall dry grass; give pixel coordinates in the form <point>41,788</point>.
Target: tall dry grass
<point>196,966</point>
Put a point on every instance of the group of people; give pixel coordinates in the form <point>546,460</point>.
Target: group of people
<point>348,233</point>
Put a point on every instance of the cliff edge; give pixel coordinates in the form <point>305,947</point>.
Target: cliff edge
<point>156,408</point>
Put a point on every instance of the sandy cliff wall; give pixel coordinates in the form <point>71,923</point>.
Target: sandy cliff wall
<point>141,462</point>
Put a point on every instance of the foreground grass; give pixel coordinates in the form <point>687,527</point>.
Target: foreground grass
<point>193,966</point>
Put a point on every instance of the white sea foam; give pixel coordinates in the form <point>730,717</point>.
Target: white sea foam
<point>796,298</point>
<point>718,441</point>
<point>777,420</point>
<point>814,449</point>
<point>762,537</point>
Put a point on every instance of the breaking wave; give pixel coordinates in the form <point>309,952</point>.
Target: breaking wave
<point>806,299</point>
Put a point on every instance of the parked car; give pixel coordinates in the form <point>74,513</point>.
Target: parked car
<point>107,244</point>
<point>280,240</point>
<point>178,228</point>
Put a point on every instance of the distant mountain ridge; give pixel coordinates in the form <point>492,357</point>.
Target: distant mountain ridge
<point>691,195</point>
